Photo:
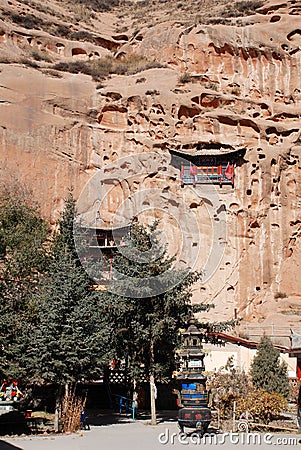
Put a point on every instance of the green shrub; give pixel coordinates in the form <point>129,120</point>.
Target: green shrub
<point>52,73</point>
<point>267,371</point>
<point>5,60</point>
<point>134,64</point>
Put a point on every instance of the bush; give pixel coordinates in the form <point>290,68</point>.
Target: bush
<point>212,86</point>
<point>280,295</point>
<point>82,36</point>
<point>186,78</point>
<point>244,8</point>
<point>71,409</point>
<point>262,405</point>
<point>101,68</point>
<point>294,387</point>
<point>61,30</point>
<point>228,387</point>
<point>134,64</point>
<point>41,56</point>
<point>29,21</point>
<point>29,63</point>
<point>98,69</point>
<point>98,5</point>
<point>248,6</point>
<point>72,67</point>
<point>153,92</point>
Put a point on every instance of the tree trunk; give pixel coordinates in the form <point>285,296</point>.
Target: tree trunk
<point>58,409</point>
<point>153,389</point>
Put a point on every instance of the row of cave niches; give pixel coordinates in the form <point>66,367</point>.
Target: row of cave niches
<point>58,48</point>
<point>287,160</point>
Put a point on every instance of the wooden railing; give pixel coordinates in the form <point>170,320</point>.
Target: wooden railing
<point>220,174</point>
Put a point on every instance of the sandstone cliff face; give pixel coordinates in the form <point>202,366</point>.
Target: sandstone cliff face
<point>241,90</point>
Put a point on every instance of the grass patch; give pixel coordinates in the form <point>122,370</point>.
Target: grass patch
<point>29,63</point>
<point>44,9</point>
<point>40,56</point>
<point>5,60</point>
<point>280,295</point>
<point>154,92</point>
<point>186,78</point>
<point>244,8</point>
<point>97,5</point>
<point>134,64</point>
<point>82,36</point>
<point>28,21</point>
<point>212,86</point>
<point>52,73</point>
<point>101,68</point>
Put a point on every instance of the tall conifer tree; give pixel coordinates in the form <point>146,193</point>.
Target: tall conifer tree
<point>23,259</point>
<point>70,337</point>
<point>267,371</point>
<point>149,302</point>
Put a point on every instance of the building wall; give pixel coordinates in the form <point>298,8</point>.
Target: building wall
<point>217,357</point>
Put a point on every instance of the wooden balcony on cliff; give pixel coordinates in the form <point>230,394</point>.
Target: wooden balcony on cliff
<point>98,247</point>
<point>105,240</point>
<point>201,165</point>
<point>216,174</point>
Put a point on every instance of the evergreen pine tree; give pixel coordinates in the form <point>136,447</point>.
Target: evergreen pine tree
<point>70,339</point>
<point>23,258</point>
<point>266,370</point>
<point>146,323</point>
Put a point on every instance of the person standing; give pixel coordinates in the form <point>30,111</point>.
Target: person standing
<point>83,420</point>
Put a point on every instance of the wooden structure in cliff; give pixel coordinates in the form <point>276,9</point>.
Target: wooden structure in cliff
<point>98,247</point>
<point>207,165</point>
<point>216,174</point>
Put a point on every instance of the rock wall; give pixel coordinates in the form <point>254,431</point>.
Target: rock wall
<point>234,86</point>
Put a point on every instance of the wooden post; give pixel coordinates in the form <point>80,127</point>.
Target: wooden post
<point>58,409</point>
<point>234,411</point>
<point>152,385</point>
<point>153,399</point>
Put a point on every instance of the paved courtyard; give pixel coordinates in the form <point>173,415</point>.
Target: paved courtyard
<point>140,435</point>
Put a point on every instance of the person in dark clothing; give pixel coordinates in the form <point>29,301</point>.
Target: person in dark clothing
<point>83,420</point>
